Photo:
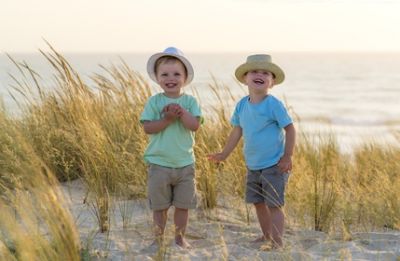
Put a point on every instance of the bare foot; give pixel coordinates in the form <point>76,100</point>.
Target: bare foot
<point>182,243</point>
<point>158,240</point>
<point>270,246</point>
<point>267,247</point>
<point>260,240</point>
<point>155,246</point>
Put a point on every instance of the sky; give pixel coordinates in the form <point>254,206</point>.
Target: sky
<point>121,26</point>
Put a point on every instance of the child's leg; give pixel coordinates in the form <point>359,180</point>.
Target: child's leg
<point>264,218</point>
<point>181,218</point>
<point>277,225</point>
<point>184,199</point>
<point>160,197</point>
<point>160,221</point>
<point>274,182</point>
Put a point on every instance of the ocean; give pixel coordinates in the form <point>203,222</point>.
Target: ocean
<point>355,96</point>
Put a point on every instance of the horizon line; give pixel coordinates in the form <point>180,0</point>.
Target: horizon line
<point>212,52</point>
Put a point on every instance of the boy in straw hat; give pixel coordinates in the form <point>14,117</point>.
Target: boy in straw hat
<point>171,119</point>
<point>269,138</point>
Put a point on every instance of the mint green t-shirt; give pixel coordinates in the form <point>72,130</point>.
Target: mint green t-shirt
<point>172,147</point>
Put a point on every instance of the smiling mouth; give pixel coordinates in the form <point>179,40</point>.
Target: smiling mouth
<point>258,81</point>
<point>170,85</point>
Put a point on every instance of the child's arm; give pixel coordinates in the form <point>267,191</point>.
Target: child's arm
<point>233,140</point>
<point>152,127</point>
<point>189,121</point>
<point>285,163</point>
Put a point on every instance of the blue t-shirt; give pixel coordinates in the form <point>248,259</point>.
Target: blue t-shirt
<point>262,127</point>
<point>172,147</point>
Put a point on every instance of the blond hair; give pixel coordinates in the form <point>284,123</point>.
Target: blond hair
<point>166,59</point>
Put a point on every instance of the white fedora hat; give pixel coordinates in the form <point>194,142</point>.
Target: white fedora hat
<point>174,52</point>
<point>260,62</point>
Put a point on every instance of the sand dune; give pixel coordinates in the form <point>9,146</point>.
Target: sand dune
<point>220,234</point>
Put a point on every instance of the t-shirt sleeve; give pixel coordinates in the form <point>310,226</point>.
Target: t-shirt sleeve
<point>235,117</point>
<point>195,109</point>
<point>149,112</point>
<point>281,115</point>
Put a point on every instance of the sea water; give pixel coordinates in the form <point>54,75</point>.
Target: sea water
<point>355,96</point>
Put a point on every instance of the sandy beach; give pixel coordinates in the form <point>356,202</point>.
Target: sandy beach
<point>220,234</point>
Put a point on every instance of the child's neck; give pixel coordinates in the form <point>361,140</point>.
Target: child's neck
<point>257,97</point>
<point>172,95</point>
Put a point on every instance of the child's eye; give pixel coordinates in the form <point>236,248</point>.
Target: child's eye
<point>164,74</point>
<point>177,74</point>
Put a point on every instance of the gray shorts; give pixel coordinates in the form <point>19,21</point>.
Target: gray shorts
<point>171,186</point>
<point>266,185</point>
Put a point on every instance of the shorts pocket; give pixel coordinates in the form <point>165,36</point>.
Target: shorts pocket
<point>189,170</point>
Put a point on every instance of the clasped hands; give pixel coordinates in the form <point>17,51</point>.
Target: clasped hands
<point>173,111</point>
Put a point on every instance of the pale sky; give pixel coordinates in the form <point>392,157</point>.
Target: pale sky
<point>200,25</point>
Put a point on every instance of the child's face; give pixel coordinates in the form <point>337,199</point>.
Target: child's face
<point>259,80</point>
<point>171,77</point>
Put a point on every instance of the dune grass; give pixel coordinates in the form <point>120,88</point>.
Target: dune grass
<point>34,223</point>
<point>74,130</point>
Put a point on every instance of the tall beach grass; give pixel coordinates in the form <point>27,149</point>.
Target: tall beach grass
<point>34,221</point>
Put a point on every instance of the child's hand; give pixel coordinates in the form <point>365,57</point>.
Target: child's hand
<point>172,111</point>
<point>216,157</point>
<point>176,109</point>
<point>285,163</point>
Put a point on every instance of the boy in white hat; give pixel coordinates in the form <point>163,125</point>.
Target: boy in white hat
<point>171,119</point>
<point>269,138</point>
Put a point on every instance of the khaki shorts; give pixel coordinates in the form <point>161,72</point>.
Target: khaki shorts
<point>266,185</point>
<point>171,186</point>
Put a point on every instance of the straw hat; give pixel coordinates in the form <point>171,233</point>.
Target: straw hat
<point>174,52</point>
<point>260,62</point>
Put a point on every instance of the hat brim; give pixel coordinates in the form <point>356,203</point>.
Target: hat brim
<point>270,67</point>
<point>153,59</point>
